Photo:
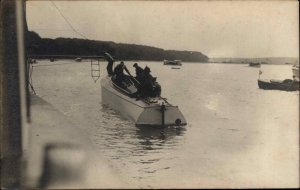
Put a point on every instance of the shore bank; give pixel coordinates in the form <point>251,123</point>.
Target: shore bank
<point>60,154</point>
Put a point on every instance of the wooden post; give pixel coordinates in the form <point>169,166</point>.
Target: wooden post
<point>162,109</point>
<point>10,115</point>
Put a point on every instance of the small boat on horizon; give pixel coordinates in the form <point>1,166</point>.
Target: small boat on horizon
<point>78,59</point>
<point>172,62</point>
<point>252,64</point>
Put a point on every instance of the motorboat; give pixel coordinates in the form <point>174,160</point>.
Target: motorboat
<point>295,70</point>
<point>254,64</point>
<point>172,62</point>
<point>78,59</point>
<point>286,85</point>
<point>150,111</point>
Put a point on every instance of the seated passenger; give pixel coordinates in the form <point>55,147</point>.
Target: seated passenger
<point>119,77</point>
<point>139,72</point>
<point>150,88</point>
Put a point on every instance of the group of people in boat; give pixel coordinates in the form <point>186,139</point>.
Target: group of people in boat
<point>144,82</point>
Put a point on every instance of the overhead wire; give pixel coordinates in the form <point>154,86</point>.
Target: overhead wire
<point>47,29</point>
<point>30,71</point>
<point>67,21</point>
<point>30,61</point>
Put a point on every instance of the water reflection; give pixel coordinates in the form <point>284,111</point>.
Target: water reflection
<point>159,133</point>
<point>149,156</point>
<point>144,150</point>
<point>120,133</point>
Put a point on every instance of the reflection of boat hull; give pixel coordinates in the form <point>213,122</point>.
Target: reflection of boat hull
<point>157,133</point>
<point>286,85</point>
<point>139,111</point>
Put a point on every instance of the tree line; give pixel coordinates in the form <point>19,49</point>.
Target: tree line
<point>83,47</point>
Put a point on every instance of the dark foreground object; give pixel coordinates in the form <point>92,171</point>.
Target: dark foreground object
<point>286,85</point>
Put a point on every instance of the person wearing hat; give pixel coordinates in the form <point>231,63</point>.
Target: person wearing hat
<point>147,83</point>
<point>138,71</point>
<point>119,75</point>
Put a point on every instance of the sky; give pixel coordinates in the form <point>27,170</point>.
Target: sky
<point>215,28</point>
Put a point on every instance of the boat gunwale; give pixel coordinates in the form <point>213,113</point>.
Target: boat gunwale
<point>120,89</point>
<point>121,97</point>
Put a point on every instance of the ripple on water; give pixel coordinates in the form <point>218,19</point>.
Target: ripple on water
<point>145,155</point>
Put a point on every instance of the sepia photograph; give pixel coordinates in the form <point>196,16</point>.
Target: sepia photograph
<point>140,94</point>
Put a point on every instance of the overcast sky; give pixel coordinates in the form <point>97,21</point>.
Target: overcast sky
<point>215,28</point>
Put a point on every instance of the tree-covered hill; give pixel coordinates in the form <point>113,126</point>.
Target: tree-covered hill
<point>80,47</point>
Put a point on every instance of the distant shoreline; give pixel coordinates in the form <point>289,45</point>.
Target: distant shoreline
<point>263,61</point>
<point>184,62</point>
<point>249,63</point>
<point>121,51</point>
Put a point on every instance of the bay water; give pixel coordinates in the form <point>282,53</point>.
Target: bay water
<point>237,134</point>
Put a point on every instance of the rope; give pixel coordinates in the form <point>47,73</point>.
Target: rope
<point>30,76</point>
<point>69,23</point>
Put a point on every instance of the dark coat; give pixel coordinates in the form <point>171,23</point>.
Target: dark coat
<point>119,70</point>
<point>139,72</point>
<point>110,61</point>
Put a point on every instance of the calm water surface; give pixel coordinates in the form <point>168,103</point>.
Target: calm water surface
<point>237,135</point>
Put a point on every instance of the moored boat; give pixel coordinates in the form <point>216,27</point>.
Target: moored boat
<point>254,64</point>
<point>286,85</point>
<point>172,62</point>
<point>78,59</point>
<point>152,111</point>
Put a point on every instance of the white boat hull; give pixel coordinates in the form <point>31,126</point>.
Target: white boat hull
<point>139,111</point>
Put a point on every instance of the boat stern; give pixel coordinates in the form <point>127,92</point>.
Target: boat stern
<point>161,115</point>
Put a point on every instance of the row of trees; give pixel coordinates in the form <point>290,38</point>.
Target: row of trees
<point>81,47</point>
